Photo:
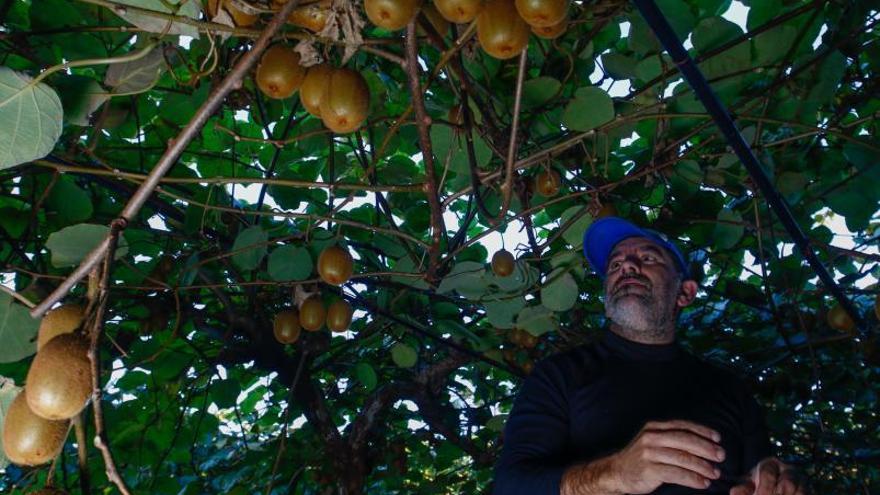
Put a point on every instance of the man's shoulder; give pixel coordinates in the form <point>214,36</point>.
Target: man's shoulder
<point>571,364</point>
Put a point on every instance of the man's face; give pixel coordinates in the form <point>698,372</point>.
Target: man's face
<point>641,286</point>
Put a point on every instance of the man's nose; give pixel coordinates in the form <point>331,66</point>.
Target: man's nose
<point>630,264</point>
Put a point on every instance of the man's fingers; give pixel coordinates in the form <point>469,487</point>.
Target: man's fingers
<point>686,441</point>
<point>682,459</point>
<point>680,476</point>
<point>744,489</point>
<point>768,477</point>
<point>680,424</point>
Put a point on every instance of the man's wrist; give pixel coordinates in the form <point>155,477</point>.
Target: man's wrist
<point>593,478</point>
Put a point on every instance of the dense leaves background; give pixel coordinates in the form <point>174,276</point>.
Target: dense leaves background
<point>413,400</point>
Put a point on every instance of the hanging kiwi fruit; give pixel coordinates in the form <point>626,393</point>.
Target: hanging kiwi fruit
<point>239,17</point>
<point>547,183</point>
<point>61,320</point>
<point>280,74</point>
<point>28,439</point>
<point>542,13</point>
<point>391,14</point>
<point>345,102</point>
<point>502,32</point>
<point>335,265</point>
<point>503,263</point>
<point>312,314</point>
<point>286,326</point>
<point>59,381</point>
<point>339,316</point>
<point>551,32</point>
<point>459,11</point>
<point>312,90</point>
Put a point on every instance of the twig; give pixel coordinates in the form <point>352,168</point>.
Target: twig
<point>423,121</point>
<point>97,327</point>
<point>507,187</point>
<point>283,440</point>
<point>175,149</point>
<point>17,296</point>
<point>82,456</point>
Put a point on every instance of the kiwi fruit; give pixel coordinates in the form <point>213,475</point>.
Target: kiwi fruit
<point>312,314</point>
<point>312,16</point>
<point>339,316</point>
<point>286,326</point>
<point>391,14</point>
<point>840,320</point>
<point>551,32</point>
<point>280,74</point>
<point>440,24</point>
<point>59,381</point>
<point>63,319</point>
<point>239,17</point>
<point>542,13</point>
<point>503,263</point>
<point>28,439</point>
<point>312,90</point>
<point>547,183</point>
<point>459,11</point>
<point>346,101</point>
<point>335,265</point>
<point>502,32</point>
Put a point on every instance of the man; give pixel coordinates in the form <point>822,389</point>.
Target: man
<point>633,413</point>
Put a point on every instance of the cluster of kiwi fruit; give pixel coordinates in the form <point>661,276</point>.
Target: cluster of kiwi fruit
<point>335,267</point>
<point>503,26</point>
<point>520,349</point>
<point>57,388</point>
<point>311,15</point>
<point>337,95</point>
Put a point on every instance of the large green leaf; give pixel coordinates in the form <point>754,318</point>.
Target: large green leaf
<point>729,229</point>
<point>404,355</point>
<point>136,76</point>
<point>17,330</point>
<point>250,248</point>
<point>290,263</point>
<point>537,320</point>
<point>30,118</point>
<point>560,292</point>
<point>70,245</point>
<point>154,24</point>
<point>590,108</point>
<point>538,91</point>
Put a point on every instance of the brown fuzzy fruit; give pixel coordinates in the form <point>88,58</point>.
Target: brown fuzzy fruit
<point>335,265</point>
<point>59,381</point>
<point>286,326</point>
<point>312,90</point>
<point>503,263</point>
<point>607,210</point>
<point>391,14</point>
<point>502,32</point>
<point>542,13</point>
<point>547,183</point>
<point>840,320</point>
<point>28,439</point>
<point>551,32</point>
<point>459,11</point>
<point>312,314</point>
<point>312,16</point>
<point>239,17</point>
<point>279,74</point>
<point>61,320</point>
<point>339,316</point>
<point>346,101</point>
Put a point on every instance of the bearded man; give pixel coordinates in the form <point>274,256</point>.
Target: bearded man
<point>634,413</point>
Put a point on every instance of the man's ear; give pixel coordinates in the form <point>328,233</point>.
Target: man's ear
<point>687,292</point>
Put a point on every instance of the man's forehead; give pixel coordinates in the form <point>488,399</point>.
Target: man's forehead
<point>643,243</point>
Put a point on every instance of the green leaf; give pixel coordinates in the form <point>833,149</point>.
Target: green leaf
<point>30,118</point>
<point>467,277</point>
<point>619,66</point>
<point>406,265</point>
<point>8,392</point>
<point>590,108</point>
<point>403,355</point>
<point>70,245</point>
<point>574,233</point>
<point>71,202</point>
<point>225,392</point>
<point>157,25</point>
<point>560,292</point>
<point>496,423</point>
<point>136,76</point>
<point>366,375</point>
<point>250,248</point>
<point>290,263</point>
<point>538,91</point>
<point>727,235</point>
<point>537,320</point>
<point>80,96</point>
<point>502,312</point>
<point>17,330</point>
<point>771,46</point>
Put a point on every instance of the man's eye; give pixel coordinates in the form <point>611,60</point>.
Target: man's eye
<point>614,265</point>
<point>649,257</point>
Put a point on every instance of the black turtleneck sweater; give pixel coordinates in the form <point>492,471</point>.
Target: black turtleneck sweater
<point>590,402</point>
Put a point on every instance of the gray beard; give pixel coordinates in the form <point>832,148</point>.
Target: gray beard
<point>641,317</point>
